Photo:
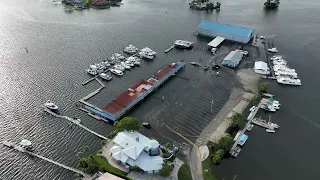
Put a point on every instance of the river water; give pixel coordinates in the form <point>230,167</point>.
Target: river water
<point>61,45</point>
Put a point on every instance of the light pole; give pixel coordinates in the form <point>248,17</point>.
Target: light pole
<point>211,105</point>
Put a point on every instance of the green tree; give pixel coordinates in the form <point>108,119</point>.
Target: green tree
<point>127,124</point>
<point>165,171</point>
<point>256,99</point>
<point>264,87</point>
<point>217,156</point>
<point>226,142</point>
<point>88,164</point>
<point>235,120</point>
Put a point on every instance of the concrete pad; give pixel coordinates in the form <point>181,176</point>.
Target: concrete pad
<point>248,96</point>
<point>204,152</point>
<point>220,132</point>
<point>229,116</point>
<point>241,106</point>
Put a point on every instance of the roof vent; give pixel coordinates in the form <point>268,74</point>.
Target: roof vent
<point>137,139</point>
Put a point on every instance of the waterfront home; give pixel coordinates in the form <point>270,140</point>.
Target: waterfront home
<point>135,149</point>
<point>99,2</point>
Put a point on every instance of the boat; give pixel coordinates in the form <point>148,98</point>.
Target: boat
<point>169,49</point>
<point>50,105</point>
<point>273,50</point>
<point>286,74</point>
<point>289,81</point>
<point>125,65</point>
<point>146,55</point>
<point>135,60</point>
<point>26,144</point>
<point>105,63</point>
<point>195,63</point>
<point>129,63</point>
<point>272,4</point>
<point>276,126</point>
<point>116,72</point>
<point>92,72</point>
<point>149,51</point>
<point>262,123</point>
<point>131,49</point>
<point>118,67</point>
<point>276,57</point>
<point>8,144</point>
<point>183,44</point>
<point>117,57</point>
<point>249,128</point>
<point>105,76</point>
<point>270,130</point>
<point>268,108</point>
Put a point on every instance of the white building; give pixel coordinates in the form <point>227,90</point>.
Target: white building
<point>261,67</point>
<point>135,149</point>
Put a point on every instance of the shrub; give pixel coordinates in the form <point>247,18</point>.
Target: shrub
<point>226,142</point>
<point>235,120</point>
<point>217,156</point>
<point>165,171</point>
<point>264,87</point>
<point>256,99</point>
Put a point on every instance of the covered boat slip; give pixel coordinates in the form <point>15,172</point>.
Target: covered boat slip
<point>216,42</point>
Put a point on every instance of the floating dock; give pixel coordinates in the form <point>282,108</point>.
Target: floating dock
<point>133,95</point>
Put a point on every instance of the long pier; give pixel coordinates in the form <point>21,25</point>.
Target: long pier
<point>77,122</point>
<point>233,150</point>
<point>21,149</point>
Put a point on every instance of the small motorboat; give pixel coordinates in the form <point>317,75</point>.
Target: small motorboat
<point>50,105</point>
<point>270,131</point>
<point>268,108</point>
<point>105,76</point>
<point>273,50</point>
<point>116,72</point>
<point>146,125</point>
<point>26,144</point>
<point>195,63</point>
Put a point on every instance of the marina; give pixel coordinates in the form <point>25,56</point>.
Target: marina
<point>126,100</point>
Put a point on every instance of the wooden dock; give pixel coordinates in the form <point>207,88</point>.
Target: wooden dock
<point>89,80</point>
<point>234,151</point>
<point>20,149</point>
<point>74,121</point>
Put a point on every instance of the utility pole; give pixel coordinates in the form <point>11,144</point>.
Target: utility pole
<point>211,105</point>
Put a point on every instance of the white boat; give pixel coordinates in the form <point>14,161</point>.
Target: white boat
<point>129,63</point>
<point>289,81</point>
<point>279,62</point>
<point>146,55</point>
<point>134,60</point>
<point>273,50</point>
<point>116,72</point>
<point>183,44</point>
<point>105,63</point>
<point>26,144</point>
<point>125,65</point>
<point>149,51</point>
<point>131,49</point>
<point>276,126</point>
<point>50,105</point>
<point>105,76</point>
<point>118,67</point>
<point>268,108</point>
<point>92,72</point>
<point>116,57</point>
<point>287,74</point>
<point>277,57</point>
<point>270,131</point>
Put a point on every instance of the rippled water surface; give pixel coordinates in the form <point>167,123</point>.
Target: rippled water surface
<point>62,45</point>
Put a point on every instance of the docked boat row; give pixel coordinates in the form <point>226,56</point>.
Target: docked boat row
<point>131,49</point>
<point>98,68</point>
<point>283,73</point>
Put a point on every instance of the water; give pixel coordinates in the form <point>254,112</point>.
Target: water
<point>62,45</point>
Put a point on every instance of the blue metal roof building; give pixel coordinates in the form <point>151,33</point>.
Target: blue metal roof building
<point>228,31</point>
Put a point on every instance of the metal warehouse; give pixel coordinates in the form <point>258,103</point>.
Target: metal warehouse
<point>228,31</point>
<point>232,59</point>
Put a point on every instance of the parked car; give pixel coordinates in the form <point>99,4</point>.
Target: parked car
<point>146,125</point>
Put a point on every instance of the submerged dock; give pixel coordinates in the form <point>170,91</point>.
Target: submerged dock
<point>74,121</point>
<point>20,149</point>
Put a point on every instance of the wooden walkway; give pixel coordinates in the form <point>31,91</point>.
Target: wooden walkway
<point>75,122</point>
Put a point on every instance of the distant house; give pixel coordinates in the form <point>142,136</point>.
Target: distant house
<point>232,59</point>
<point>99,2</point>
<point>135,149</point>
<point>79,3</point>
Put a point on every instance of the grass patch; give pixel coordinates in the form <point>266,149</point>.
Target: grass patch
<point>206,164</point>
<point>184,173</point>
<point>105,166</point>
